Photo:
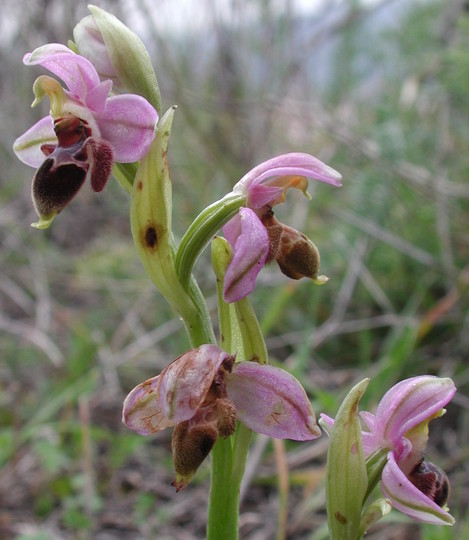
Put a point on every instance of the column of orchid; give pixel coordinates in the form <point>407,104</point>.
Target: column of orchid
<point>108,120</point>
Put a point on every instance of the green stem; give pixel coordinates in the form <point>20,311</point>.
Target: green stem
<point>201,232</point>
<point>197,323</point>
<point>228,465</point>
<point>205,333</point>
<point>150,219</point>
<point>222,520</point>
<point>243,439</point>
<point>240,334</point>
<point>254,346</point>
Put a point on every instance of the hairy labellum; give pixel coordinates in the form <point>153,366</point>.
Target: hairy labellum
<point>295,254</point>
<point>193,439</point>
<point>190,445</point>
<point>68,164</point>
<point>431,481</point>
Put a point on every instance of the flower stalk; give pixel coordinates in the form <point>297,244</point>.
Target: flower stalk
<point>201,231</point>
<point>228,456</point>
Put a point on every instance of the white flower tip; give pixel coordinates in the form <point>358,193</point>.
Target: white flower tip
<point>337,178</point>
<point>43,223</point>
<point>321,280</point>
<point>331,175</point>
<point>315,429</point>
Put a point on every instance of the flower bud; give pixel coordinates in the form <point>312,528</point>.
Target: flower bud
<point>90,43</point>
<point>295,254</point>
<point>114,48</point>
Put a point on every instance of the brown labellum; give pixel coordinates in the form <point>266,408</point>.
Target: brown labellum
<point>226,417</point>
<point>190,445</point>
<point>431,481</point>
<point>193,439</point>
<point>67,165</point>
<point>55,186</point>
<point>294,252</point>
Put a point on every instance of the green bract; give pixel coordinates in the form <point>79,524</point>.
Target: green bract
<point>374,512</point>
<point>150,219</point>
<point>346,482</point>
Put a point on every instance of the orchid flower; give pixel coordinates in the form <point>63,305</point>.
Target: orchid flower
<point>201,394</point>
<point>399,428</point>
<point>255,234</point>
<point>86,131</point>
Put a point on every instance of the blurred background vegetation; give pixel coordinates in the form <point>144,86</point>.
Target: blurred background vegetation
<point>380,91</point>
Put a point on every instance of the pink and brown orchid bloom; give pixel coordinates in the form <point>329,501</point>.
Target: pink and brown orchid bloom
<point>203,392</point>
<point>257,237</point>
<point>87,130</point>
<point>400,428</point>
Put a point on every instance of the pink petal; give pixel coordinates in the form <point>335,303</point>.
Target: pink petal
<point>232,230</point>
<point>128,123</point>
<point>409,403</point>
<point>255,183</point>
<point>371,442</point>
<point>326,422</point>
<point>175,394</point>
<point>96,98</point>
<point>271,401</point>
<point>28,146</point>
<point>76,71</point>
<point>250,243</point>
<point>142,412</point>
<point>185,382</point>
<point>409,499</point>
<point>369,420</point>
<point>262,194</point>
